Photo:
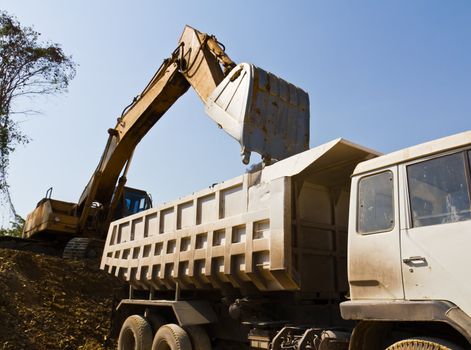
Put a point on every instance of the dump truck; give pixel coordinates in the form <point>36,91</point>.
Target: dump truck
<point>336,247</point>
<point>261,111</point>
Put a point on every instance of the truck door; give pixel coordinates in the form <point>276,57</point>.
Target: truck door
<point>436,232</point>
<point>374,268</point>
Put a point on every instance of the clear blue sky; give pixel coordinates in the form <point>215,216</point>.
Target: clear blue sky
<point>384,74</point>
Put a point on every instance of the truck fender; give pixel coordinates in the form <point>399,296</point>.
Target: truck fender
<point>186,313</point>
<point>409,311</point>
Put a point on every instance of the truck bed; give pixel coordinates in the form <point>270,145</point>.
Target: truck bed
<point>283,228</point>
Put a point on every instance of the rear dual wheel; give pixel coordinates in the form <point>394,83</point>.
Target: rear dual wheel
<point>135,334</point>
<point>171,337</point>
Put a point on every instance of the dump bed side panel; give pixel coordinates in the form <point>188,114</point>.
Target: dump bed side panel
<point>235,233</point>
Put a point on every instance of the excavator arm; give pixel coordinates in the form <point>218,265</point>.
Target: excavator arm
<point>129,130</point>
<point>262,112</point>
<point>196,62</point>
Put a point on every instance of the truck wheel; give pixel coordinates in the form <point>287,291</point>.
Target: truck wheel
<point>421,344</point>
<point>135,334</point>
<point>171,337</point>
<point>198,337</point>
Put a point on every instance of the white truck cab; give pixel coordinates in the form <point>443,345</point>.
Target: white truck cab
<point>409,236</point>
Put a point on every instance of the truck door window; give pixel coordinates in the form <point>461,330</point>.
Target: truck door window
<point>375,203</point>
<point>439,191</point>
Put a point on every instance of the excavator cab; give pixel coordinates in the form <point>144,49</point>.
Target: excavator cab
<point>133,201</point>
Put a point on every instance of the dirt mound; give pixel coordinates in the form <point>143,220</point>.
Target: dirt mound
<point>50,303</point>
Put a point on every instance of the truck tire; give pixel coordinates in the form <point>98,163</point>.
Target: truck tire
<point>135,334</point>
<point>422,344</point>
<point>171,337</point>
<point>199,338</point>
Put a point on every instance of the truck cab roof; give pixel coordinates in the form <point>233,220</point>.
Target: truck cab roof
<point>414,152</point>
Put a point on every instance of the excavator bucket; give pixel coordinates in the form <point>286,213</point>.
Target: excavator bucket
<point>263,112</point>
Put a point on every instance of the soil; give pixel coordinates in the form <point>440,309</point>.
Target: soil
<point>47,302</point>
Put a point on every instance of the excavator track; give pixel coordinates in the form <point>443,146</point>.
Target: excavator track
<point>82,248</point>
<point>75,248</point>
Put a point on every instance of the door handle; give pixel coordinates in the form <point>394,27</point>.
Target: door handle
<point>415,259</point>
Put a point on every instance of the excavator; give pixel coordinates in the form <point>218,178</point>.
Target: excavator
<point>264,113</point>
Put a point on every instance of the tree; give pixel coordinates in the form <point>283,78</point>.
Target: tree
<point>28,67</point>
<point>16,228</point>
